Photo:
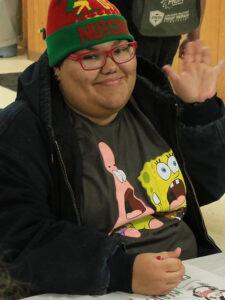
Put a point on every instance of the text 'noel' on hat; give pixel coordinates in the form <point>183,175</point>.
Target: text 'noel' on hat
<point>79,24</point>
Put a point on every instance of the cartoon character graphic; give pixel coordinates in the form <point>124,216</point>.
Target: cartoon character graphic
<point>130,207</point>
<point>148,222</point>
<point>209,292</point>
<point>164,183</point>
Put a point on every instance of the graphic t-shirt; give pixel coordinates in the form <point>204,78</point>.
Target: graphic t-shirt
<point>132,184</point>
<point>165,17</point>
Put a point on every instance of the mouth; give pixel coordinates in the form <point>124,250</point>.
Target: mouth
<point>111,81</point>
<point>176,193</point>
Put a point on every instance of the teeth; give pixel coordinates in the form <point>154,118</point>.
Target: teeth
<point>121,176</point>
<point>177,181</point>
<point>172,185</point>
<point>156,199</point>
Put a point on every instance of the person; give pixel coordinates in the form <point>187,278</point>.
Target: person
<point>161,45</point>
<point>9,24</point>
<point>102,168</point>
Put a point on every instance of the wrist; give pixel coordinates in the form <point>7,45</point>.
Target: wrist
<point>194,114</point>
<point>121,271</point>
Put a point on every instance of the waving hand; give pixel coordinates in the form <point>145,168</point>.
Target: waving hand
<point>198,78</point>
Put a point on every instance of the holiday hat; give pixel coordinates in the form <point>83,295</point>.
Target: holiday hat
<point>79,24</point>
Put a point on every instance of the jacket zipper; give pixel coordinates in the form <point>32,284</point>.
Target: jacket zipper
<point>63,167</point>
<point>190,181</point>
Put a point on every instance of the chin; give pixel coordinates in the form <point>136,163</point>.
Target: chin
<point>117,101</point>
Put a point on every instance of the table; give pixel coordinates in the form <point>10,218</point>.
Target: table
<point>214,263</point>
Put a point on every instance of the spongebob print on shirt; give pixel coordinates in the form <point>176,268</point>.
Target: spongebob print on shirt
<point>163,182</point>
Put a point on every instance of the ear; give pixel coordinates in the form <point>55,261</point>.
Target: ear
<point>57,73</point>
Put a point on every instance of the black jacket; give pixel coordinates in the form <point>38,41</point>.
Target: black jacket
<point>42,235</point>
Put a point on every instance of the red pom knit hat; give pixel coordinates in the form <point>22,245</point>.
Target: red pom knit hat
<point>79,24</point>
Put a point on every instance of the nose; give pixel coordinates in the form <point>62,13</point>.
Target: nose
<point>110,66</point>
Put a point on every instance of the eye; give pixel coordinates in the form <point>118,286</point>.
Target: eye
<point>91,56</point>
<point>172,163</point>
<point>163,171</point>
<point>121,49</point>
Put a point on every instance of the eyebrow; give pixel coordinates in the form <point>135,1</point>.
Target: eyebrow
<point>117,42</point>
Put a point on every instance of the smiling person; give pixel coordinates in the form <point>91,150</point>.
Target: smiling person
<point>102,168</point>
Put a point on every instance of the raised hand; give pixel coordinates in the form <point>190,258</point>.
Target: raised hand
<point>198,78</point>
<point>157,273</point>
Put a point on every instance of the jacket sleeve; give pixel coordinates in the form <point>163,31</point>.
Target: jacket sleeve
<point>49,254</point>
<point>202,142</point>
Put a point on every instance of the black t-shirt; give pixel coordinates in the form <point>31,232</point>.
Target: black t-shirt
<point>132,184</point>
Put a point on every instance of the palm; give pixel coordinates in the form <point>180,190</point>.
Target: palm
<point>198,79</point>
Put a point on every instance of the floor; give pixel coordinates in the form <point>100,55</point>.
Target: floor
<point>214,214</point>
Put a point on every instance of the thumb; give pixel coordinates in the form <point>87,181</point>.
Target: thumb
<point>173,254</point>
<point>168,70</point>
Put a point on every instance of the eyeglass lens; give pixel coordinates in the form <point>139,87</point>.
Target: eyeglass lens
<point>120,54</point>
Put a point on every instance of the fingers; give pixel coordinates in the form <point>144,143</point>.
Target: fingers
<point>220,67</point>
<point>177,252</point>
<point>168,70</point>
<point>188,53</point>
<point>173,279</point>
<point>195,52</point>
<point>154,276</point>
<point>182,48</point>
<point>175,269</point>
<point>206,56</point>
<point>171,254</point>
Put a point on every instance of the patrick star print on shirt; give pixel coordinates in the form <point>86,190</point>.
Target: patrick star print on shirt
<point>125,197</point>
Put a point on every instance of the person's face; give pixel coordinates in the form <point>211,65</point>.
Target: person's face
<point>97,94</point>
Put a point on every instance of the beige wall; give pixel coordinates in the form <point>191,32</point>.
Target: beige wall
<point>35,16</point>
<point>213,30</point>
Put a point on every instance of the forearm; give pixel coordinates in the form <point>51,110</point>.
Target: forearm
<point>202,140</point>
<point>60,258</point>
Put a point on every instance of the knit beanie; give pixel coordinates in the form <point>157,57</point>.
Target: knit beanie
<point>79,24</point>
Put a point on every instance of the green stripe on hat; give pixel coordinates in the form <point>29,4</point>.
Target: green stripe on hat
<point>84,34</point>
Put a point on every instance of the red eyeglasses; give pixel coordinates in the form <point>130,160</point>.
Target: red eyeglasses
<point>96,59</point>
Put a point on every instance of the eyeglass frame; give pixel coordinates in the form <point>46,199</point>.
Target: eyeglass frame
<point>78,57</point>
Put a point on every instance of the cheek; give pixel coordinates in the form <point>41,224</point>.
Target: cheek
<point>132,67</point>
<point>130,70</point>
<point>132,73</point>
<point>72,83</point>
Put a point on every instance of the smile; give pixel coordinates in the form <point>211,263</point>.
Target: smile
<point>111,82</point>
